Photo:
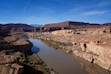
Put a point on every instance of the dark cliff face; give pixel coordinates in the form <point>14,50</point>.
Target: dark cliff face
<point>12,55</point>
<point>68,25</point>
<point>0,25</point>
<point>106,24</point>
<point>3,32</point>
<point>73,25</point>
<point>19,27</point>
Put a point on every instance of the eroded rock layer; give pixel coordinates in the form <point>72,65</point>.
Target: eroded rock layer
<point>92,44</point>
<point>16,56</point>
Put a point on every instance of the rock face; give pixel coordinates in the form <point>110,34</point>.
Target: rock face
<point>100,54</point>
<point>67,25</point>
<point>9,63</point>
<point>94,45</point>
<point>19,27</point>
<point>90,67</point>
<point>16,56</point>
<point>12,49</point>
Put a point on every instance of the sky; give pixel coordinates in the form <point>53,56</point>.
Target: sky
<point>52,11</point>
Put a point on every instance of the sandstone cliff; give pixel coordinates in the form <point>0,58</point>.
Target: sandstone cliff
<point>10,58</point>
<point>16,56</point>
<point>94,45</point>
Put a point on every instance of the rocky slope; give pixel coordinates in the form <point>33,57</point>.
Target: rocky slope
<point>18,27</point>
<point>94,45</point>
<point>16,56</point>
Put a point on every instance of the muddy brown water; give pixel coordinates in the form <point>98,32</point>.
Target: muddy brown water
<point>62,62</point>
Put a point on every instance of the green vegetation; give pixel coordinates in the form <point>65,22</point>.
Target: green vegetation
<point>55,44</point>
<point>47,70</point>
<point>52,43</point>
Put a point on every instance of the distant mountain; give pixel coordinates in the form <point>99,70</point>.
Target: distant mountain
<point>0,25</point>
<point>107,24</point>
<point>36,25</point>
<point>68,25</point>
<point>18,27</point>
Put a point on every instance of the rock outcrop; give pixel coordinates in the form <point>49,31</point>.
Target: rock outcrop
<point>67,25</point>
<point>19,27</point>
<point>16,56</point>
<point>99,54</point>
<point>10,57</point>
<point>9,64</point>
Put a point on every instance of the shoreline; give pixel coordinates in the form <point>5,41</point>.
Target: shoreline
<point>78,47</point>
<point>91,68</point>
<point>46,67</point>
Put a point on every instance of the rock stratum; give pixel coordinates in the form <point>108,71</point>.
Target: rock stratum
<point>21,27</point>
<point>16,56</point>
<point>10,57</point>
<point>92,44</point>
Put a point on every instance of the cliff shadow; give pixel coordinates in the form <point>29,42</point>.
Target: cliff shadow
<point>4,32</point>
<point>30,70</point>
<point>35,49</point>
<point>14,48</point>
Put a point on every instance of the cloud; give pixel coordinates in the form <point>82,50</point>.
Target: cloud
<point>45,9</point>
<point>105,3</point>
<point>95,12</point>
<point>25,6</point>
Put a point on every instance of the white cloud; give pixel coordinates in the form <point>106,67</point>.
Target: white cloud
<point>105,3</point>
<point>95,12</point>
<point>45,10</point>
<point>25,6</point>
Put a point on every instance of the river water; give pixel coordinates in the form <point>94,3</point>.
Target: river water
<point>62,62</point>
<point>59,61</point>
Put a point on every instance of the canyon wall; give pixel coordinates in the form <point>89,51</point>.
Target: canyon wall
<point>16,56</point>
<point>12,49</point>
<point>94,45</point>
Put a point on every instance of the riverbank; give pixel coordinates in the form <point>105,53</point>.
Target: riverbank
<point>16,56</point>
<point>56,60</point>
<point>89,67</point>
<point>93,47</point>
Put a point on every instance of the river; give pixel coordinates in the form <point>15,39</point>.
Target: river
<point>62,62</point>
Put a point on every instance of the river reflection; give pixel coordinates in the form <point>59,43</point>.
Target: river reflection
<point>90,67</point>
<point>35,49</point>
<point>63,63</point>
